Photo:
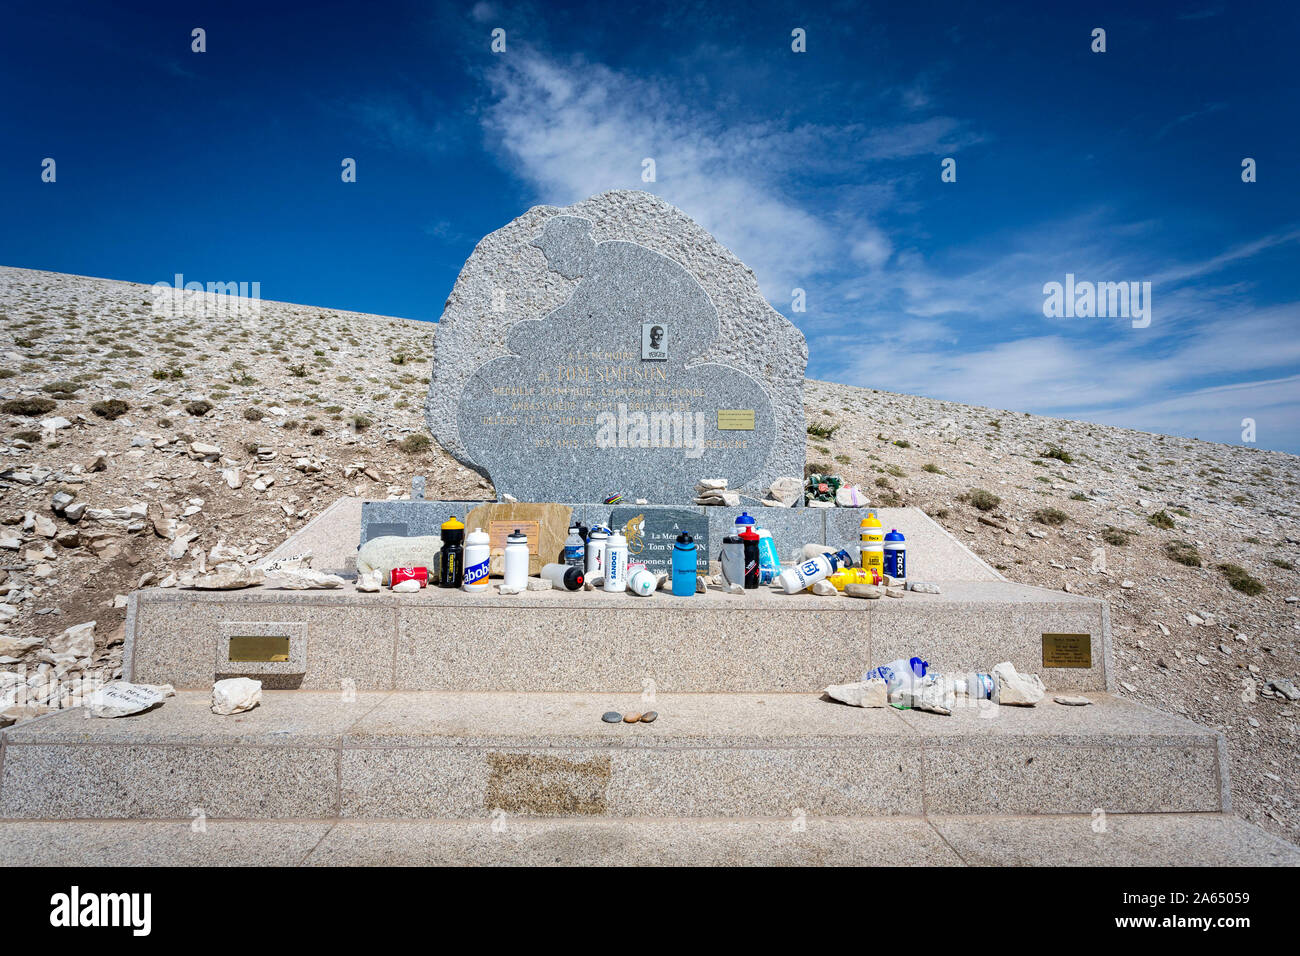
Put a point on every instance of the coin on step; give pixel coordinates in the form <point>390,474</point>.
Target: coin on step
<point>649,717</point>
<point>631,718</point>
<point>611,717</point>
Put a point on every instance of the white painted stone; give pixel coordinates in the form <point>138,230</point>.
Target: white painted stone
<point>409,586</point>
<point>122,698</point>
<point>1015,689</point>
<point>234,695</point>
<point>868,693</point>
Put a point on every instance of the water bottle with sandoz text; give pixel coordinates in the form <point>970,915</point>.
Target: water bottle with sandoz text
<point>616,562</point>
<point>685,565</point>
<point>596,542</point>
<point>478,552</point>
<point>895,554</point>
<point>806,574</point>
<point>516,559</point>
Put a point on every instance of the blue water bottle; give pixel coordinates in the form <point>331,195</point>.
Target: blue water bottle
<point>685,564</point>
<point>895,555</point>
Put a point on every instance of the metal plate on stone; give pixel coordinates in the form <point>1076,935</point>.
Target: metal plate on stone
<point>651,533</point>
<point>1067,650</point>
<point>244,648</point>
<point>735,419</point>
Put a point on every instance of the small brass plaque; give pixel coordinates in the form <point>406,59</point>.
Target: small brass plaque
<point>1067,650</point>
<point>260,649</point>
<point>735,419</point>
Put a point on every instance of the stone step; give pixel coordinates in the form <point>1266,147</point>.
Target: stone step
<point>305,754</point>
<point>1147,839</point>
<point>762,641</point>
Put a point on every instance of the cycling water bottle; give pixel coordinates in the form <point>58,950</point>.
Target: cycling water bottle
<point>685,564</point>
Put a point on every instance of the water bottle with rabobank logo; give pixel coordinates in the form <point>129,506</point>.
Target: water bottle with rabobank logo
<point>478,552</point>
<point>685,565</point>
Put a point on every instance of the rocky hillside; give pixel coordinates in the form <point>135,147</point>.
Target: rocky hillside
<point>170,433</point>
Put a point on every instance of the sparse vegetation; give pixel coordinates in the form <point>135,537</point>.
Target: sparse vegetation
<point>31,407</point>
<point>1051,516</point>
<point>1183,552</point>
<point>980,499</point>
<point>818,430</point>
<point>415,444</point>
<point>1161,519</point>
<point>1060,454</point>
<point>111,408</point>
<point>1239,579</point>
<point>1117,537</point>
<point>199,408</point>
<point>253,414</point>
<point>932,468</point>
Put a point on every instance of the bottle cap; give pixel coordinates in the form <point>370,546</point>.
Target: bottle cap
<point>893,535</point>
<point>685,538</point>
<point>749,534</point>
<point>745,518</point>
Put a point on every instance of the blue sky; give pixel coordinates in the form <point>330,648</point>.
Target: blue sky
<point>821,170</point>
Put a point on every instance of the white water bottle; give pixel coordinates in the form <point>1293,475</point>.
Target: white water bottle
<point>478,552</point>
<point>616,562</point>
<point>643,583</point>
<point>516,559</point>
<point>596,542</point>
<point>807,573</point>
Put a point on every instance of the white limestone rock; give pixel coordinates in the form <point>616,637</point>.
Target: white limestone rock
<point>370,581</point>
<point>394,551</point>
<point>228,577</point>
<point>824,588</point>
<point>785,492</point>
<point>409,586</point>
<point>923,587</point>
<point>304,579</point>
<point>1072,701</point>
<point>867,693</point>
<point>122,698</point>
<point>78,640</point>
<point>850,496</point>
<point>1016,689</point>
<point>934,694</point>
<point>234,695</point>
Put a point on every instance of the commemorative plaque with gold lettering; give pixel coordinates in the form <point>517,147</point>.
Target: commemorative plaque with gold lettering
<point>1067,650</point>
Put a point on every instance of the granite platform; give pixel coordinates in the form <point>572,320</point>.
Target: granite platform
<point>427,755</point>
<point>763,640</point>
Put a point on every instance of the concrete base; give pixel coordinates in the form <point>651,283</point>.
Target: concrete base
<point>307,754</point>
<point>1165,839</point>
<point>763,640</point>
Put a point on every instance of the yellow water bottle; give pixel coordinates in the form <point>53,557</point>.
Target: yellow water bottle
<point>871,542</point>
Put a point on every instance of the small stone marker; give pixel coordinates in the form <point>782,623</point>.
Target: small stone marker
<point>121,699</point>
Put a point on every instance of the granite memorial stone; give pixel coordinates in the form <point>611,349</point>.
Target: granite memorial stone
<point>615,347</point>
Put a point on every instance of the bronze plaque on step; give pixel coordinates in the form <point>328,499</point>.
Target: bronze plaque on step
<point>262,648</point>
<point>1067,650</point>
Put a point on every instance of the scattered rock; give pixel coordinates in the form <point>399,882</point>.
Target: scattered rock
<point>121,698</point>
<point>868,693</point>
<point>1072,701</point>
<point>234,695</point>
<point>823,588</point>
<point>1016,689</point>
<point>785,492</point>
<point>869,591</point>
<point>923,587</point>
<point>612,717</point>
<point>78,640</point>
<point>631,718</point>
<point>225,578</point>
<point>649,717</point>
<point>304,579</point>
<point>539,584</point>
<point>370,581</point>
<point>411,586</point>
